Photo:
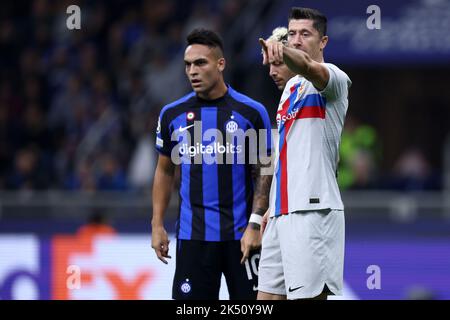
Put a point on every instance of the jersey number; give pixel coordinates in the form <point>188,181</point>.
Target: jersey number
<point>250,266</point>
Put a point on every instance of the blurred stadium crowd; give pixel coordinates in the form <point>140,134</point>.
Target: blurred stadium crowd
<point>76,105</point>
<point>78,108</point>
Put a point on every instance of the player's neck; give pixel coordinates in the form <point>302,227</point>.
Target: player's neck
<point>320,58</point>
<point>215,93</point>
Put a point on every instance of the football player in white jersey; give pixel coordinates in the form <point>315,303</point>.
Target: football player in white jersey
<point>303,243</point>
<point>279,71</point>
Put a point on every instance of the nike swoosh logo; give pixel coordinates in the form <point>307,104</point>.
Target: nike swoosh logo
<point>181,129</point>
<point>293,289</point>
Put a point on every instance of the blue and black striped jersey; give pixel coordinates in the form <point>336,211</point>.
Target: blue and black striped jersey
<point>215,142</point>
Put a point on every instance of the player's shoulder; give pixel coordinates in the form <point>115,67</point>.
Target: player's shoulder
<point>178,103</point>
<point>333,67</point>
<point>295,79</point>
<point>292,82</point>
<point>337,71</point>
<point>246,100</point>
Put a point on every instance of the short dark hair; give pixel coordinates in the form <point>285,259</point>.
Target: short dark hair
<point>320,21</point>
<point>206,37</point>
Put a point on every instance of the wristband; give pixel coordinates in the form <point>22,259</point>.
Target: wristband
<point>255,218</point>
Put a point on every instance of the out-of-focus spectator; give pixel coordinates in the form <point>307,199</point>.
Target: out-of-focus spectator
<point>30,63</point>
<point>420,293</point>
<point>141,105</point>
<point>358,155</point>
<point>164,77</point>
<point>68,102</point>
<point>82,178</point>
<point>143,164</point>
<point>201,17</point>
<point>5,144</point>
<point>412,171</point>
<point>97,224</point>
<point>111,176</point>
<point>27,173</point>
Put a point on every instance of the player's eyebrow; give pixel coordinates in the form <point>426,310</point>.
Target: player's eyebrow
<point>196,61</point>
<point>300,30</point>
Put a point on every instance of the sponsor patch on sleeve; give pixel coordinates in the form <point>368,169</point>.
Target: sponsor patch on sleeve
<point>159,142</point>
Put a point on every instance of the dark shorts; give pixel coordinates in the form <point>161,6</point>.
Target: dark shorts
<point>199,268</point>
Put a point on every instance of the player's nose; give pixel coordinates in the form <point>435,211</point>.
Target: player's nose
<point>297,41</point>
<point>297,45</point>
<point>272,71</point>
<point>192,70</point>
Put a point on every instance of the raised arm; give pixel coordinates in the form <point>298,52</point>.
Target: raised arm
<point>301,63</point>
<point>297,60</point>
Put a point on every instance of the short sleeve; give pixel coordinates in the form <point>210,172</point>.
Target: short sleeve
<point>338,84</point>
<point>163,143</point>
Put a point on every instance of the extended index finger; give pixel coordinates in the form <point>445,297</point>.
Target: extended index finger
<point>245,253</point>
<point>263,44</point>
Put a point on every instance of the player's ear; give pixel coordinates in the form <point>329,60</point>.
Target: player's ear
<point>221,63</point>
<point>323,42</point>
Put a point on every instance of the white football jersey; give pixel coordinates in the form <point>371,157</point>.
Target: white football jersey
<point>309,124</point>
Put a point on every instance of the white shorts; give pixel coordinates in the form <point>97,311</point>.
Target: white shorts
<point>301,253</point>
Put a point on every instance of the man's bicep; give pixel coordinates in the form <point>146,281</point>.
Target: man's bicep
<point>165,165</point>
<point>318,74</point>
<point>338,84</point>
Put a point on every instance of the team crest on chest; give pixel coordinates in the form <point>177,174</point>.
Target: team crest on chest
<point>300,90</point>
<point>231,126</point>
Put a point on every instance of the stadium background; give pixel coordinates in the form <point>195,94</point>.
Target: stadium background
<point>78,110</point>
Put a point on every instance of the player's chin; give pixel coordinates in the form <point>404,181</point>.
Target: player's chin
<point>197,87</point>
<point>280,85</point>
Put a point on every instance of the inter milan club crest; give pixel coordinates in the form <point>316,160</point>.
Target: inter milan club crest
<point>190,116</point>
<point>231,126</point>
<point>185,286</point>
